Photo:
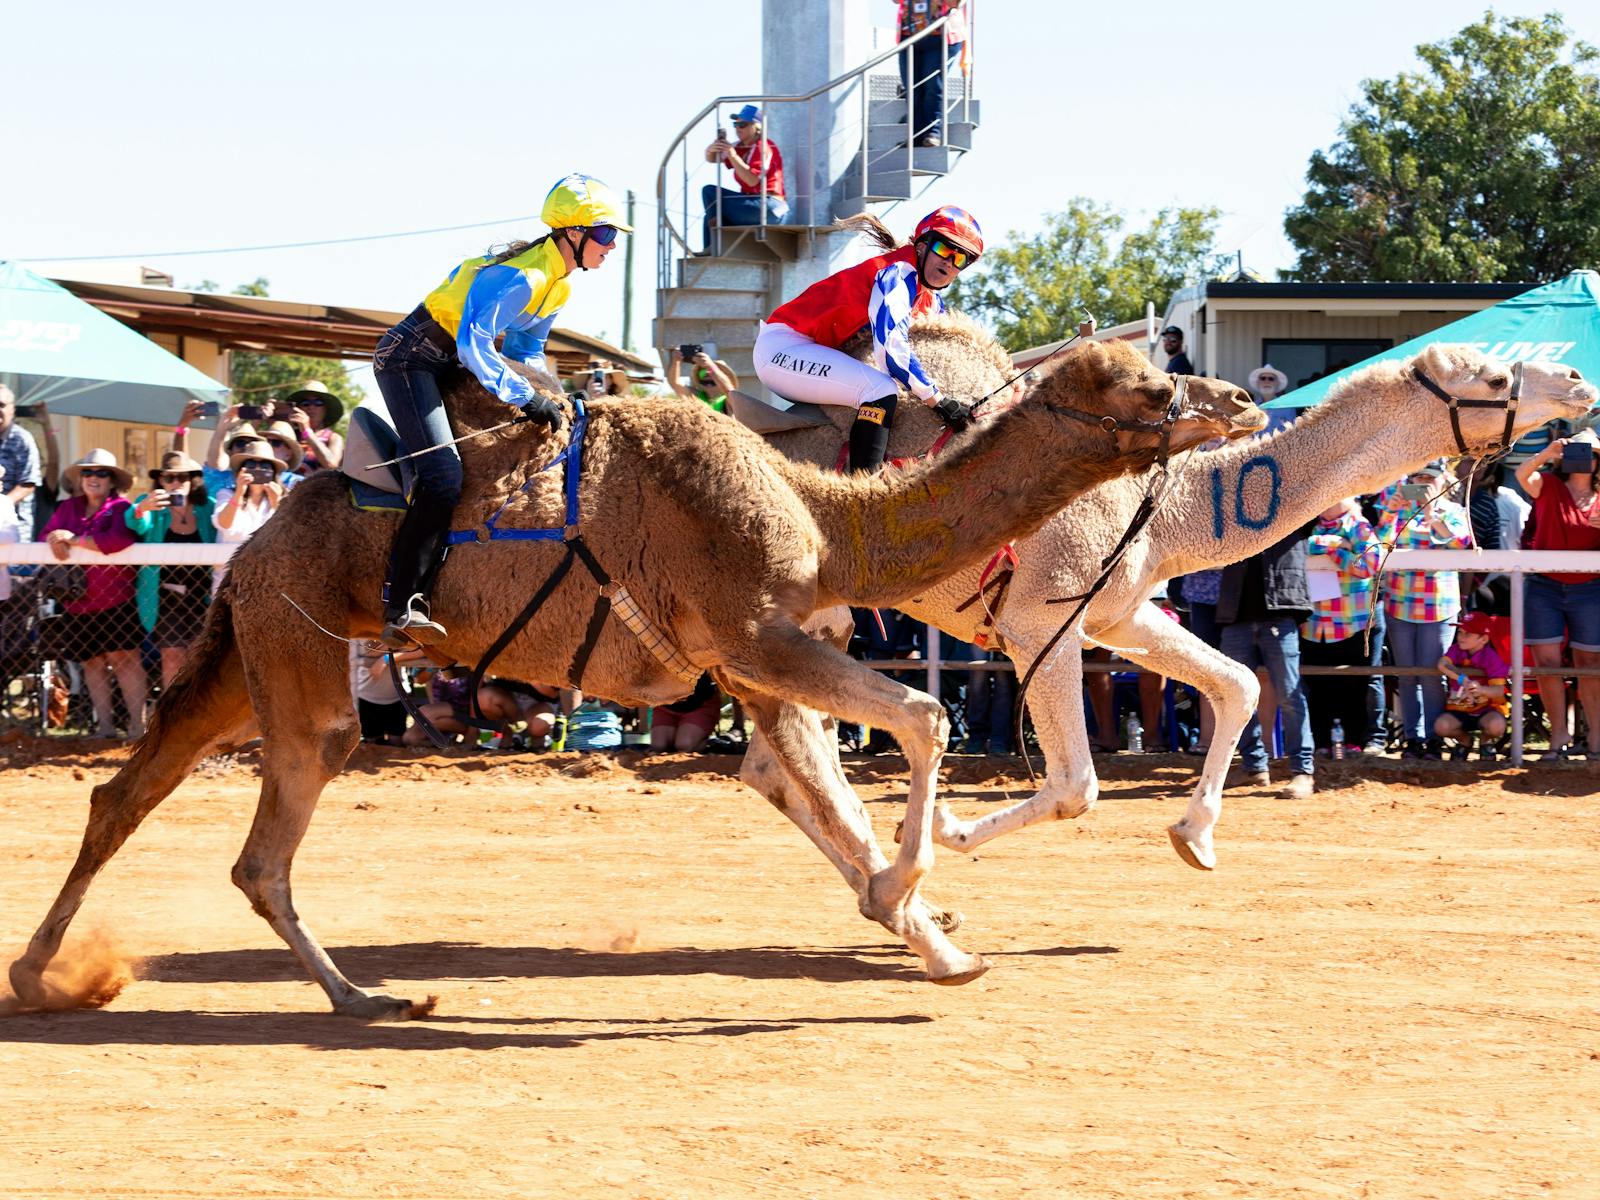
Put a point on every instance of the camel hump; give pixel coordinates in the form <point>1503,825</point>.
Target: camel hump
<point>777,415</point>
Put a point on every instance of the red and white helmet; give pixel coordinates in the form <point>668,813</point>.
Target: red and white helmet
<point>953,224</point>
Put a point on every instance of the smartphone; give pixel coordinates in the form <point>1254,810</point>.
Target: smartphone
<point>252,412</point>
<point>210,408</point>
<point>598,376</point>
<point>1415,491</point>
<point>177,499</point>
<point>1577,458</point>
<point>722,133</point>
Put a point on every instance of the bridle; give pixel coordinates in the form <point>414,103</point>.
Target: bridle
<point>1456,403</point>
<point>1153,493</point>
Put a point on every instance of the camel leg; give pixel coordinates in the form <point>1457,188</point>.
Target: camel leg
<point>311,730</point>
<point>206,710</point>
<point>1070,788</point>
<point>1162,645</point>
<point>787,664</point>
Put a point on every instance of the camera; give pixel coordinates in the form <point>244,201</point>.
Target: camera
<point>260,474</point>
<point>177,499</point>
<point>1415,491</point>
<point>688,350</point>
<point>252,412</point>
<point>1577,458</point>
<point>210,408</point>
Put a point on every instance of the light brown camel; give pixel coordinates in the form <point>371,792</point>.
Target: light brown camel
<point>1222,507</point>
<point>746,545</point>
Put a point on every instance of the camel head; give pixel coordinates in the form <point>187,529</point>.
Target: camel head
<point>1113,379</point>
<point>1549,392</point>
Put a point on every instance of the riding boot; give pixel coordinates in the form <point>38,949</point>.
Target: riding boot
<point>869,436</point>
<point>419,552</point>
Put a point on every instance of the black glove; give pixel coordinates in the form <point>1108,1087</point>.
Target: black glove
<point>955,413</point>
<point>544,411</point>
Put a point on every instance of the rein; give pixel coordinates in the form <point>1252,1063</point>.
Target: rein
<point>1154,492</point>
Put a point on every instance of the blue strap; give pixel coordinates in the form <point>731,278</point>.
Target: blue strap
<point>572,458</point>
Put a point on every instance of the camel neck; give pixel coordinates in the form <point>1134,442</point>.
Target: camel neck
<point>889,538</point>
<point>1249,495</point>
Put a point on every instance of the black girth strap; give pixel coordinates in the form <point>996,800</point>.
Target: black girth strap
<point>577,548</point>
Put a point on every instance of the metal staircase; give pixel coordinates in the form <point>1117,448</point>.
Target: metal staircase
<point>720,298</point>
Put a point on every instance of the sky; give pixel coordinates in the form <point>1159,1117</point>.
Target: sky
<point>146,130</point>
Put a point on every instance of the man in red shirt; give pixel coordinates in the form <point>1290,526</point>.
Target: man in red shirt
<point>752,159</point>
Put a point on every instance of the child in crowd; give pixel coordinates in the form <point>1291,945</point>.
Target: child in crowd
<point>1473,704</point>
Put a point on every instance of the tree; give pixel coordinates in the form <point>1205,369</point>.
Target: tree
<point>1034,290</point>
<point>257,375</point>
<point>1485,166</point>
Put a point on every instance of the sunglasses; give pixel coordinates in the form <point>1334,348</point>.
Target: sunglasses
<point>743,124</point>
<point>279,444</point>
<point>954,255</point>
<point>176,476</point>
<point>312,403</point>
<point>259,464</point>
<point>603,235</point>
<point>96,473</point>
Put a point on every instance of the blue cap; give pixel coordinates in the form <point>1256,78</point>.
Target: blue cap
<point>748,113</point>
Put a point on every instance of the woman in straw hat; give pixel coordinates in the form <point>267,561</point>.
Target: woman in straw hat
<point>313,411</point>
<point>102,630</point>
<point>517,292</point>
<point>172,600</point>
<point>256,492</point>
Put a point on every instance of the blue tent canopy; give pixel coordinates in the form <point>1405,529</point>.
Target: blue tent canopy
<point>55,347</point>
<point>1558,323</point>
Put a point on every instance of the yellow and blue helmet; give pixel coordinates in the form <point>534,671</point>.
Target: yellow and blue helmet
<point>582,200</point>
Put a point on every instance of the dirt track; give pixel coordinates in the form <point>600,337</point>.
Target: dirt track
<point>652,986</point>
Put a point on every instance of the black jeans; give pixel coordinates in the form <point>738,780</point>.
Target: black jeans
<point>409,362</point>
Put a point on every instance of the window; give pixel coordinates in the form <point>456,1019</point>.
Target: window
<point>1304,360</point>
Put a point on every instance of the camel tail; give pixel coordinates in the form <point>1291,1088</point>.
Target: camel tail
<point>206,708</point>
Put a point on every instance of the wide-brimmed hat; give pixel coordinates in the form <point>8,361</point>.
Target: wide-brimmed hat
<point>98,458</point>
<point>318,391</point>
<point>244,431</point>
<point>289,434</point>
<point>175,462</point>
<point>613,375</point>
<point>1267,371</point>
<point>257,449</point>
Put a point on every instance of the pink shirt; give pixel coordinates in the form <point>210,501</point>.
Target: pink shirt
<point>108,586</point>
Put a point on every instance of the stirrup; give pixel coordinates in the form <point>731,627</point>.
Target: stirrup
<point>412,626</point>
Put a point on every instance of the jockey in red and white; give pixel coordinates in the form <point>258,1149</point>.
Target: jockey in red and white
<point>798,355</point>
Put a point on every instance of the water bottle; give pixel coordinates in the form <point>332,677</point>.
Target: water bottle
<point>1336,735</point>
<point>1135,734</point>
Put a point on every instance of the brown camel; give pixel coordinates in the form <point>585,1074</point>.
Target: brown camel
<point>752,545</point>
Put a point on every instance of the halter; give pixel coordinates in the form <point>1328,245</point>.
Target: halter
<point>1455,403</point>
<point>1163,427</point>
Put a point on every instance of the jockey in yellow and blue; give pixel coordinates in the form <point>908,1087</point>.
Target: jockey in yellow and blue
<point>517,292</point>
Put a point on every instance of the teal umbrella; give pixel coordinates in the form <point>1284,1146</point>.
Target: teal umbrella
<point>55,347</point>
<point>1559,322</point>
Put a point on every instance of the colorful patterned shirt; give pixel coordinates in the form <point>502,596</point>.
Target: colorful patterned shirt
<point>1421,596</point>
<point>1352,546</point>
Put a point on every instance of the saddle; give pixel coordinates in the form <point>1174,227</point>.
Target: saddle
<point>776,415</point>
<point>369,440</point>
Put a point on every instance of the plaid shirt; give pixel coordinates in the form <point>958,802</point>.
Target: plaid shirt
<point>1352,545</point>
<point>1422,596</point>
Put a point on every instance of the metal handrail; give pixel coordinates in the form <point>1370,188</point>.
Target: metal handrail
<point>669,235</point>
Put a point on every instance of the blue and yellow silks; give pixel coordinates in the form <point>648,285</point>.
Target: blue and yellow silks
<point>521,296</point>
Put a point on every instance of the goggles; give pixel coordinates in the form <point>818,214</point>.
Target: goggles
<point>603,235</point>
<point>954,255</point>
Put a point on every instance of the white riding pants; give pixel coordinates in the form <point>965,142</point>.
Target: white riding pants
<point>795,367</point>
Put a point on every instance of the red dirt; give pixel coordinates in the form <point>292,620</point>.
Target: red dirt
<point>650,985</point>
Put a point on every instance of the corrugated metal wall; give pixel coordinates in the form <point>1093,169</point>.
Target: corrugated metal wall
<point>1236,336</point>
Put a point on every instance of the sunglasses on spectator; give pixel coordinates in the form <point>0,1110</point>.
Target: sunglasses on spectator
<point>308,403</point>
<point>259,464</point>
<point>954,255</point>
<point>603,235</point>
<point>176,476</point>
<point>278,443</point>
<point>743,124</point>
<point>96,473</point>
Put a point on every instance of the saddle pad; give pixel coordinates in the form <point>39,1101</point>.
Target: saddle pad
<point>370,499</point>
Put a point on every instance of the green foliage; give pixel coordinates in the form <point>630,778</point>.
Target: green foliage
<point>1035,290</point>
<point>259,375</point>
<point>1483,167</point>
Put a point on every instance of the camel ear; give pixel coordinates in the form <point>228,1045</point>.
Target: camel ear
<point>1437,361</point>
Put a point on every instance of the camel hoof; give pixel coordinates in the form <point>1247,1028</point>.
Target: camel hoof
<point>899,826</point>
<point>979,966</point>
<point>27,985</point>
<point>1201,858</point>
<point>380,1008</point>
